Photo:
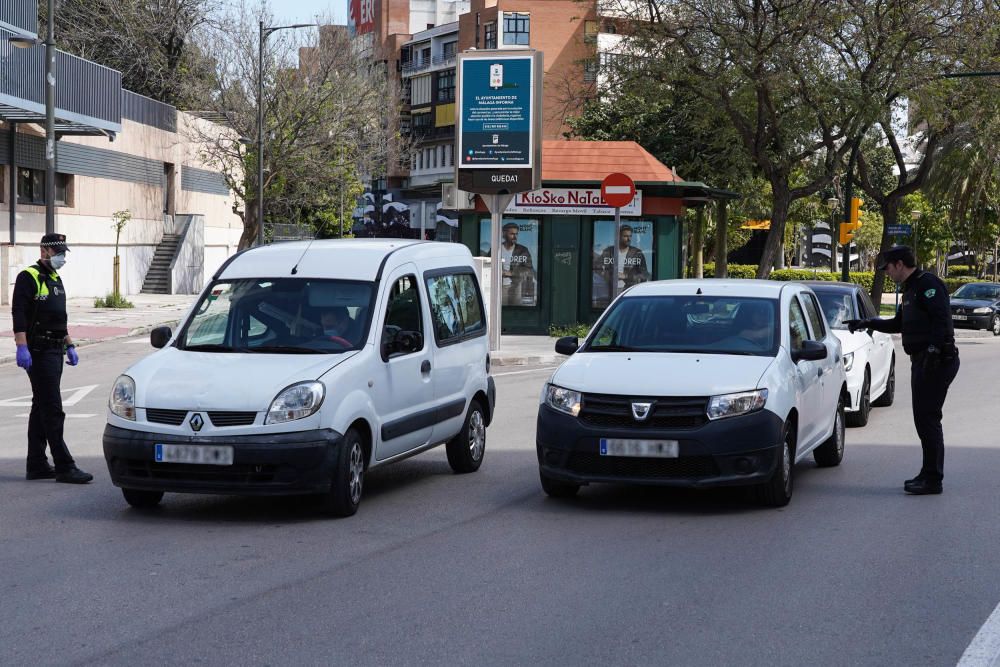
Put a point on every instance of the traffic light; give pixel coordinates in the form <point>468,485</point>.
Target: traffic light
<point>848,228</point>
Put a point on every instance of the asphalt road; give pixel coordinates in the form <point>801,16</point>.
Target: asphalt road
<point>484,569</point>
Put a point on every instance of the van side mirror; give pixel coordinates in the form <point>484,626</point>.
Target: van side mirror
<point>567,345</point>
<point>811,350</point>
<point>159,337</point>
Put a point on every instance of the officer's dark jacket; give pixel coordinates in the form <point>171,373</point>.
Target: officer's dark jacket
<point>924,318</point>
<point>41,306</point>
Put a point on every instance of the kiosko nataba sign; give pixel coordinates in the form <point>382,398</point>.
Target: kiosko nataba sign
<point>574,201</point>
<point>495,128</point>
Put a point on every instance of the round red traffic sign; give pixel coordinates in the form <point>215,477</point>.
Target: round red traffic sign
<point>617,190</point>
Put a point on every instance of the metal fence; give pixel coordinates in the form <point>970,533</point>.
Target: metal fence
<point>20,14</point>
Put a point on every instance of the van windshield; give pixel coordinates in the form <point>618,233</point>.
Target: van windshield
<point>689,324</point>
<point>280,316</point>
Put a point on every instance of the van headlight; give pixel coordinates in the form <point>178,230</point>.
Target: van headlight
<point>848,361</point>
<point>731,405</point>
<point>563,400</point>
<point>296,402</point>
<point>122,399</point>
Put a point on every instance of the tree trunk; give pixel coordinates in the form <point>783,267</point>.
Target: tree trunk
<point>774,246</point>
<point>721,241</point>
<point>699,243</point>
<point>249,236</point>
<point>890,216</point>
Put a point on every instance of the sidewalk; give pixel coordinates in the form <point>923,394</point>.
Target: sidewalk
<point>88,325</point>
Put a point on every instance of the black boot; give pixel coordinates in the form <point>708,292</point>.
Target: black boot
<point>922,487</point>
<point>48,472</point>
<point>74,476</point>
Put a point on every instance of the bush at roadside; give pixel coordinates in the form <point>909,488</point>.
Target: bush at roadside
<point>863,278</point>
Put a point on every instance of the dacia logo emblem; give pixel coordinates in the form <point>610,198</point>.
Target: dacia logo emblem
<point>641,410</point>
<point>196,422</point>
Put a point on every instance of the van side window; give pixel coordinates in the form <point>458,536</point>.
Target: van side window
<point>797,329</point>
<point>403,312</point>
<point>815,319</point>
<point>456,308</point>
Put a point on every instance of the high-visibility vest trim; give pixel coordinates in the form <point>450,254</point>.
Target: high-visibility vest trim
<point>41,288</point>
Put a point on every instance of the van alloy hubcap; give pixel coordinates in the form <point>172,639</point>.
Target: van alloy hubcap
<point>357,473</point>
<point>477,435</point>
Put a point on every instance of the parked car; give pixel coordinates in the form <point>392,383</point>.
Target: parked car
<point>696,383</point>
<point>869,356</point>
<point>977,306</point>
<point>301,367</point>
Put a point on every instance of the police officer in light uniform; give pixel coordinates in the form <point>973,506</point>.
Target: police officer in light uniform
<point>42,339</point>
<point>929,338</point>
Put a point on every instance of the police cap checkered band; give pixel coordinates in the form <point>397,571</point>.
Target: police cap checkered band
<point>56,241</point>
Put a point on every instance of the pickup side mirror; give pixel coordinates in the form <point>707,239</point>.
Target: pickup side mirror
<point>567,345</point>
<point>159,337</point>
<point>811,350</point>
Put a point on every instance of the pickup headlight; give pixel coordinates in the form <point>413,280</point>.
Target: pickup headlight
<point>563,400</point>
<point>122,399</point>
<point>985,310</point>
<point>848,361</point>
<point>731,405</point>
<point>296,402</point>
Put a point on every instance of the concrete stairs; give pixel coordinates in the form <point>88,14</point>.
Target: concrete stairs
<point>158,277</point>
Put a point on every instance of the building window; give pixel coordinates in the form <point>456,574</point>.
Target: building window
<point>31,187</point>
<point>425,56</point>
<point>448,49</point>
<point>590,68</point>
<point>421,122</point>
<point>490,35</point>
<point>590,31</point>
<point>446,86</point>
<point>516,28</point>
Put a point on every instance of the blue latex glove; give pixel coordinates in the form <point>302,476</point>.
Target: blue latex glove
<point>72,358</point>
<point>23,357</point>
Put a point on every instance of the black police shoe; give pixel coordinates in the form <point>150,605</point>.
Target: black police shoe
<point>74,476</point>
<point>922,487</point>
<point>48,472</point>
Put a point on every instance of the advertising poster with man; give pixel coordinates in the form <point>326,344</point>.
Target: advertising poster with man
<point>635,258</point>
<point>517,257</point>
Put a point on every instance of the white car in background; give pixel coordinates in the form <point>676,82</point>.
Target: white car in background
<point>869,356</point>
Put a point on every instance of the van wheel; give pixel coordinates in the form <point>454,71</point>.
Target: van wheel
<point>466,450</point>
<point>348,477</point>
<point>889,395</point>
<point>139,498</point>
<point>555,488</point>
<point>831,452</point>
<point>860,418</point>
<point>777,491</point>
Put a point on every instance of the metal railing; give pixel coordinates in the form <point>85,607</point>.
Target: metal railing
<point>422,64</point>
<point>148,111</point>
<point>20,14</point>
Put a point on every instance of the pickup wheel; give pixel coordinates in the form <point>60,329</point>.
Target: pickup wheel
<point>860,418</point>
<point>889,395</point>
<point>466,450</point>
<point>348,477</point>
<point>140,498</point>
<point>831,452</point>
<point>555,488</point>
<point>777,491</point>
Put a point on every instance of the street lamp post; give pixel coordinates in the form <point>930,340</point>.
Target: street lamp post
<point>262,37</point>
<point>833,204</point>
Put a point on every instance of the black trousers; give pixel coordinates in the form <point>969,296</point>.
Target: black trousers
<point>45,424</point>
<point>929,388</point>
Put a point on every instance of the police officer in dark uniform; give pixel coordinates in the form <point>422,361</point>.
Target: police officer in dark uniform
<point>929,338</point>
<point>42,338</point>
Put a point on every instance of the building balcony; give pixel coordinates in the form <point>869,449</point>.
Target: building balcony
<point>437,62</point>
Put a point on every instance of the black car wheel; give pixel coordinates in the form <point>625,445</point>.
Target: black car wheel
<point>860,418</point>
<point>995,325</point>
<point>777,491</point>
<point>466,450</point>
<point>889,395</point>
<point>348,477</point>
<point>555,488</point>
<point>831,452</point>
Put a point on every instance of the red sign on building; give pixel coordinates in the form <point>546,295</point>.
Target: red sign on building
<point>618,190</point>
<point>361,17</point>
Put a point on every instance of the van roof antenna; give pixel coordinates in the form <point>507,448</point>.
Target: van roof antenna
<point>295,269</point>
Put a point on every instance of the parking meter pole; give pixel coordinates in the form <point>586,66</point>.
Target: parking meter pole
<point>615,259</point>
<point>497,205</point>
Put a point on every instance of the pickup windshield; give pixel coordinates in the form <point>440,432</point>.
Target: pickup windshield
<point>692,324</point>
<point>280,316</point>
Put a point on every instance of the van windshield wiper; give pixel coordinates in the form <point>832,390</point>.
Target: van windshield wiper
<point>611,348</point>
<point>282,349</point>
<point>209,347</point>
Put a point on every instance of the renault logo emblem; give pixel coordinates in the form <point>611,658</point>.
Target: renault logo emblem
<point>641,410</point>
<point>197,422</point>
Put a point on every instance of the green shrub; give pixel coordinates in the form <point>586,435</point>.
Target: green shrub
<point>863,278</point>
<point>733,270</point>
<point>578,330</point>
<point>112,300</point>
<point>953,283</point>
<point>957,270</point>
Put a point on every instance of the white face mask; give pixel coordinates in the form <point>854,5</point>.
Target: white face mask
<point>58,261</point>
<point>331,332</point>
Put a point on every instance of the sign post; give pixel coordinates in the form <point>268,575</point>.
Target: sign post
<point>617,190</point>
<point>896,231</point>
<point>499,153</point>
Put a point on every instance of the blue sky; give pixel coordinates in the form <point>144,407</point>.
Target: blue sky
<point>305,11</point>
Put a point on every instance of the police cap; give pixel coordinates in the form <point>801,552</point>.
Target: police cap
<point>55,241</point>
<point>899,253</point>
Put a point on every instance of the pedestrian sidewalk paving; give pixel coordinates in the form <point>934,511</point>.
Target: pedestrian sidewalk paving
<point>89,325</point>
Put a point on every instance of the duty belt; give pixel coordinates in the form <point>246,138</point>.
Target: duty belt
<point>46,342</point>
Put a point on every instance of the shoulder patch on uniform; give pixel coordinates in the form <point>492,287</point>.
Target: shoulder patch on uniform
<point>930,293</point>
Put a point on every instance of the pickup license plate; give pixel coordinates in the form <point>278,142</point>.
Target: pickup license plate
<point>212,455</point>
<point>664,449</point>
<point>960,317</point>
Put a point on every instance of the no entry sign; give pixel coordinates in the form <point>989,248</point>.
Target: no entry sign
<point>617,190</point>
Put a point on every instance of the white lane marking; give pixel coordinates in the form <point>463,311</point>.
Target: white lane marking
<point>984,651</point>
<point>68,415</point>
<point>533,370</point>
<point>76,397</point>
<point>137,341</point>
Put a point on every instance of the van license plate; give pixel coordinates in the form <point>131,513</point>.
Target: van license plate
<point>664,449</point>
<point>212,455</point>
<point>960,317</point>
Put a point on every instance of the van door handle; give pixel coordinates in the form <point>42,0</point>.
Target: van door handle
<point>425,367</point>
<point>819,372</point>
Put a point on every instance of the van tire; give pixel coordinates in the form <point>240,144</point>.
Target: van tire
<point>777,491</point>
<point>555,488</point>
<point>142,499</point>
<point>831,452</point>
<point>467,449</point>
<point>348,480</point>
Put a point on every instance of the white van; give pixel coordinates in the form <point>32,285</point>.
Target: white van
<point>302,366</point>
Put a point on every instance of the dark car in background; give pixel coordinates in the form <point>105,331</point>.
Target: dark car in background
<point>977,306</point>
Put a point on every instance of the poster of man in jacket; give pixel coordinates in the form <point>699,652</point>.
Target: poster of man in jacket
<point>517,252</point>
<point>635,255</point>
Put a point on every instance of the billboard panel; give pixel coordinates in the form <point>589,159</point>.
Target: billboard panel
<point>495,120</point>
<point>361,17</point>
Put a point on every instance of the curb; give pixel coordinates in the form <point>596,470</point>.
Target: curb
<point>525,360</point>
<point>132,333</point>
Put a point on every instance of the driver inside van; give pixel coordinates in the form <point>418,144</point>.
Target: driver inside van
<point>337,323</point>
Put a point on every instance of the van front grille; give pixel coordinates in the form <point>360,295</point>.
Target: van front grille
<point>232,418</point>
<point>171,417</point>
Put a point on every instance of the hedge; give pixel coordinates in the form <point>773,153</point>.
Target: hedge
<point>957,270</point>
<point>863,278</point>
